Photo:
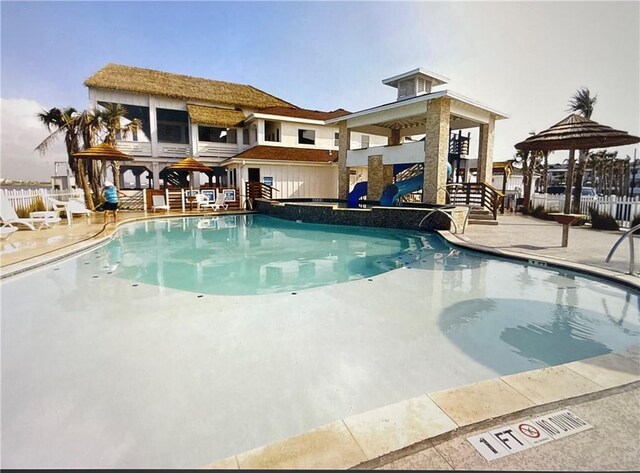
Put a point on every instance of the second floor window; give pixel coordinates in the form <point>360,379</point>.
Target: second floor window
<point>307,137</point>
<point>173,126</point>
<point>364,141</point>
<point>336,140</point>
<point>216,135</point>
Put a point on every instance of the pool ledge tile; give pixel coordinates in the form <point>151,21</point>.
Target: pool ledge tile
<point>331,446</point>
<point>399,425</point>
<point>480,401</point>
<point>551,384</point>
<point>609,371</point>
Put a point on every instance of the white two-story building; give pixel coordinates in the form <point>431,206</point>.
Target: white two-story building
<point>242,133</point>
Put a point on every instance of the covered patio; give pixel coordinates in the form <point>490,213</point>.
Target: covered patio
<point>417,111</point>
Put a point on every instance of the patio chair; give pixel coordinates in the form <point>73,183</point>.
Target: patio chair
<point>159,202</point>
<point>71,207</point>
<point>9,216</point>
<point>202,200</point>
<point>219,202</point>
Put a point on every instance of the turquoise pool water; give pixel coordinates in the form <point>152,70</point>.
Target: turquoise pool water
<point>255,254</point>
<point>186,341</point>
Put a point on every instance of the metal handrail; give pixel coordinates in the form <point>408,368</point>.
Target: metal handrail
<point>628,234</point>
<point>441,210</point>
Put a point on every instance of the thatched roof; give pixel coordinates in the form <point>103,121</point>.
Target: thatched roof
<point>215,116</point>
<point>576,132</point>
<point>178,86</point>
<point>302,113</point>
<point>189,164</point>
<point>103,151</point>
<point>281,153</point>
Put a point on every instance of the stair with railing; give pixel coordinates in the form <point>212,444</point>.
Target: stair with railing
<point>482,199</point>
<point>257,190</point>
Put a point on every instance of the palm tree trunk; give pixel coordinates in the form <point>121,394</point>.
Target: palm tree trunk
<point>84,182</point>
<point>115,168</point>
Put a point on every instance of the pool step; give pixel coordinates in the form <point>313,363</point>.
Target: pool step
<point>481,216</point>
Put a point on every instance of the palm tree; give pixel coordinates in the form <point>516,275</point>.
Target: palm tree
<point>90,127</point>
<point>582,103</point>
<point>111,117</point>
<point>65,122</point>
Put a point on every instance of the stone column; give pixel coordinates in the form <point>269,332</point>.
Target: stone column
<point>155,168</point>
<point>394,139</point>
<point>344,143</point>
<point>436,151</point>
<point>376,173</point>
<point>485,152</point>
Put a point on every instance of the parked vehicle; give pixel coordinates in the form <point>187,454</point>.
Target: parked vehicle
<point>586,191</point>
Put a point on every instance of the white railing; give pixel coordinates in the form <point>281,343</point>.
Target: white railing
<point>24,199</point>
<point>622,209</point>
<point>391,154</point>
<point>135,148</point>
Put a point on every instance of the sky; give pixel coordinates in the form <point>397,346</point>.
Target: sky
<point>525,59</point>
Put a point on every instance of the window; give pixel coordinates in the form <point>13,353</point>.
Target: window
<point>134,111</point>
<point>364,141</point>
<point>307,137</point>
<point>173,126</point>
<point>216,135</point>
<point>336,140</point>
<point>245,136</point>
<point>271,131</point>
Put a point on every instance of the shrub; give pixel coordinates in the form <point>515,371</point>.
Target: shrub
<point>602,221</point>
<point>36,205</point>
<point>541,213</point>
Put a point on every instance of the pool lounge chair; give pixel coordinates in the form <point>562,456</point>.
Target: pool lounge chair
<point>219,202</point>
<point>71,207</point>
<point>9,216</point>
<point>202,200</point>
<point>159,202</point>
<point>7,230</point>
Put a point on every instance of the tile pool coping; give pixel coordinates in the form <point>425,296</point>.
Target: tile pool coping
<point>361,439</point>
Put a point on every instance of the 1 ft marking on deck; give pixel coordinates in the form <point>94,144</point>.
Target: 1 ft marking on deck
<point>504,441</point>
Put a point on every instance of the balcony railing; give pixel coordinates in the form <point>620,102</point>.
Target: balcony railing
<point>391,154</point>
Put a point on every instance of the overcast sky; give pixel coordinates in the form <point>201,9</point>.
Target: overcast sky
<point>523,59</point>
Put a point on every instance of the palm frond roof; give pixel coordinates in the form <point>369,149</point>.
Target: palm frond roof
<point>576,132</point>
<point>182,87</point>
<point>215,116</point>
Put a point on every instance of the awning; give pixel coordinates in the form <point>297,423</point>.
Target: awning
<point>214,116</point>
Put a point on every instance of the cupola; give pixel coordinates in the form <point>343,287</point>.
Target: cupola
<point>416,82</point>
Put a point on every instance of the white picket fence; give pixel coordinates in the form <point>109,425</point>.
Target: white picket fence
<point>622,209</point>
<point>25,199</point>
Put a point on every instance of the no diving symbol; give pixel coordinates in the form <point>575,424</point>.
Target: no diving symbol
<point>529,431</point>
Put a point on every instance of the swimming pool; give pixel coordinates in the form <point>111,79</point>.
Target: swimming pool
<point>111,359</point>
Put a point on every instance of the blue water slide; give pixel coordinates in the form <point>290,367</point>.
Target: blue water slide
<point>393,192</point>
<point>359,190</point>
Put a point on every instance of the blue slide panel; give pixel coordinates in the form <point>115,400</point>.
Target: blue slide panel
<point>394,191</point>
<point>359,190</point>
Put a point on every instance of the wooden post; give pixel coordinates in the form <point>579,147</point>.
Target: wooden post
<point>569,182</point>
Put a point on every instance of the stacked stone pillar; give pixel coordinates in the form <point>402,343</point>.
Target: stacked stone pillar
<point>485,152</point>
<point>376,177</point>
<point>344,141</point>
<point>436,151</point>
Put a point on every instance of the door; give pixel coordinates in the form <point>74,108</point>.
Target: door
<point>254,174</point>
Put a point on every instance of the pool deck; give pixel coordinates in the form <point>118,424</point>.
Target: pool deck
<point>430,432</point>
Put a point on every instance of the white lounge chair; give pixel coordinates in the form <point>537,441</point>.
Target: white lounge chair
<point>71,207</point>
<point>7,230</point>
<point>202,200</point>
<point>159,202</point>
<point>10,217</point>
<point>219,202</point>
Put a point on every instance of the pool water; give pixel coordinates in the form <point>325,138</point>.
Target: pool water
<point>254,254</point>
<point>185,341</point>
